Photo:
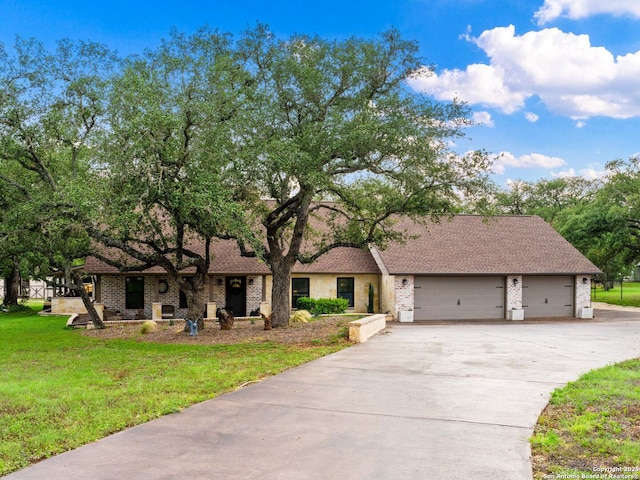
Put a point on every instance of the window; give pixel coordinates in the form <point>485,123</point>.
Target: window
<point>346,290</point>
<point>134,296</point>
<point>299,288</point>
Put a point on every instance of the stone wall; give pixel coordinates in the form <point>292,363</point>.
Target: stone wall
<point>388,295</point>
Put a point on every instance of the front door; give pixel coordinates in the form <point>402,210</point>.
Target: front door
<point>236,295</point>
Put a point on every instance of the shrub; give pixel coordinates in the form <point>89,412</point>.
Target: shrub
<point>149,326</point>
<point>323,306</point>
<point>370,299</point>
<point>300,316</point>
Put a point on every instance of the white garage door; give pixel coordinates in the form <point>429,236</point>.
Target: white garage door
<point>458,298</point>
<point>547,296</point>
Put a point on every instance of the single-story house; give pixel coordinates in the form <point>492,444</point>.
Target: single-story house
<point>466,267</point>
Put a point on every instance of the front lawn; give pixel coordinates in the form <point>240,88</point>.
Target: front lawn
<point>591,427</point>
<point>628,295</point>
<point>60,389</point>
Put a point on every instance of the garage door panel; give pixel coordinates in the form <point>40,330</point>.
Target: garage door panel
<point>458,298</point>
<point>547,296</point>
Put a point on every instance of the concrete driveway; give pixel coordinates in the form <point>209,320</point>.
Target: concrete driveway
<point>432,401</point>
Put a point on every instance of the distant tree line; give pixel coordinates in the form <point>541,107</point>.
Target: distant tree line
<point>601,218</point>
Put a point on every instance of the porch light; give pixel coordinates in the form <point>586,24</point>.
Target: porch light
<point>585,280</point>
<point>405,282</point>
<point>515,282</point>
<point>219,281</point>
<point>251,281</point>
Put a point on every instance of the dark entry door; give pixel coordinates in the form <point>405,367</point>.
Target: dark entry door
<point>236,295</point>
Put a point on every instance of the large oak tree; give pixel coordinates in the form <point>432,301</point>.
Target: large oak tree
<point>332,130</point>
<point>51,105</point>
<point>171,112</point>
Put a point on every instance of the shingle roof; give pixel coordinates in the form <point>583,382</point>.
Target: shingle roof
<point>462,245</point>
<point>226,259</point>
<point>476,245</point>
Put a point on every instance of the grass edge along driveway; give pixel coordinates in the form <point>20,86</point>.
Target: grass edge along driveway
<point>60,390</point>
<point>591,427</point>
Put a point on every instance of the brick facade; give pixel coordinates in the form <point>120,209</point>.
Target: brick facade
<point>514,292</point>
<point>404,293</point>
<point>113,293</point>
<point>254,293</point>
<point>583,293</point>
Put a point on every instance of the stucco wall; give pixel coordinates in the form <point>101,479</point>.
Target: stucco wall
<point>326,286</point>
<point>388,294</point>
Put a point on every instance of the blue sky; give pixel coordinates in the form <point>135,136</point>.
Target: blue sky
<point>553,84</point>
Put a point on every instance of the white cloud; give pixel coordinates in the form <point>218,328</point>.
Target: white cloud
<point>531,117</point>
<point>581,124</point>
<point>589,173</point>
<point>533,160</point>
<point>478,84</point>
<point>565,174</point>
<point>592,174</point>
<point>576,9</point>
<point>572,77</point>
<point>483,118</point>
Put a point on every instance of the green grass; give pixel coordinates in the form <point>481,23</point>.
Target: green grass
<point>60,389</point>
<point>591,424</point>
<point>630,294</point>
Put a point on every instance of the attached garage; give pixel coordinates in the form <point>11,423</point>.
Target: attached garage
<point>547,296</point>
<point>471,267</point>
<point>459,298</point>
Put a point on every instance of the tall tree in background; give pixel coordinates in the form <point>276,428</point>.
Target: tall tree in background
<point>545,198</point>
<point>51,105</point>
<point>172,113</point>
<point>606,227</point>
<point>332,130</point>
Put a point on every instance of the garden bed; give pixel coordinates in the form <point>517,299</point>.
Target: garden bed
<point>323,330</point>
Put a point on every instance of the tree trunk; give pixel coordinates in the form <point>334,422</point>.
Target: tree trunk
<point>196,306</point>
<point>86,300</point>
<point>194,293</point>
<point>280,293</point>
<point>11,286</point>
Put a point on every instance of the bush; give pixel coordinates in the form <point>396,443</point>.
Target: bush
<point>323,306</point>
<point>148,326</point>
<point>300,316</point>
